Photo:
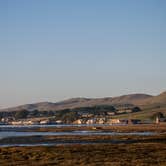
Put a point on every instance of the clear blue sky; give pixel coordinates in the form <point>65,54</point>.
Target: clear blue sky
<point>56,49</point>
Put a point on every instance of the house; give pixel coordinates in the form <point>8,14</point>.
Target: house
<point>44,122</point>
<point>90,121</point>
<point>7,119</point>
<point>113,121</point>
<point>101,121</point>
<point>78,122</point>
<point>110,113</point>
<point>16,123</point>
<point>29,122</point>
<point>59,122</point>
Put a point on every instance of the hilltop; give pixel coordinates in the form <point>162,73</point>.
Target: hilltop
<point>141,100</point>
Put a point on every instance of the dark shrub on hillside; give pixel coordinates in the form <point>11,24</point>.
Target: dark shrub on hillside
<point>136,109</point>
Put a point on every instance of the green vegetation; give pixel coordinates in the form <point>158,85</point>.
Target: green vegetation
<point>96,110</point>
<point>145,114</point>
<point>70,115</point>
<point>67,116</point>
<point>21,114</point>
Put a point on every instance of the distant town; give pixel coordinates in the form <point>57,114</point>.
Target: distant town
<point>102,114</point>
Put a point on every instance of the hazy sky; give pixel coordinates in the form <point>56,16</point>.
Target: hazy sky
<point>56,49</point>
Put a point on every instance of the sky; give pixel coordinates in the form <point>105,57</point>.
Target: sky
<point>51,50</point>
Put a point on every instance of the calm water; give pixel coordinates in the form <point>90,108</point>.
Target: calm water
<point>17,131</point>
<point>14,131</point>
<point>4,134</point>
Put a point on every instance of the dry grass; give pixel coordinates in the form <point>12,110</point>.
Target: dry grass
<point>146,154</point>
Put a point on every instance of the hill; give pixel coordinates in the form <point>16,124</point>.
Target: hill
<point>142,100</point>
<point>160,99</point>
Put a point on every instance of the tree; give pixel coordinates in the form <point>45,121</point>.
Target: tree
<point>70,117</point>
<point>22,114</point>
<point>35,113</point>
<point>67,115</point>
<point>136,109</point>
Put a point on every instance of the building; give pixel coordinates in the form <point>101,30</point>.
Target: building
<point>110,113</point>
<point>78,122</point>
<point>90,121</point>
<point>45,122</point>
<point>59,122</point>
<point>115,121</point>
<point>100,121</point>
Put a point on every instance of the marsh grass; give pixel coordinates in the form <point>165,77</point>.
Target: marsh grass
<point>140,154</point>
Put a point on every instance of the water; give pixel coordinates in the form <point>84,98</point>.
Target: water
<point>70,143</point>
<point>18,131</point>
<point>5,134</point>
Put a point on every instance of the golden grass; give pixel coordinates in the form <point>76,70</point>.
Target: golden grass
<point>145,154</point>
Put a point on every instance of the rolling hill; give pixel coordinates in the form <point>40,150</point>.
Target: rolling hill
<point>142,100</point>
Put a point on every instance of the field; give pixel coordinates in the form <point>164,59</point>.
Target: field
<point>145,114</point>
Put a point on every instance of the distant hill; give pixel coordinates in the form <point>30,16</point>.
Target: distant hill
<point>132,99</point>
<point>160,99</point>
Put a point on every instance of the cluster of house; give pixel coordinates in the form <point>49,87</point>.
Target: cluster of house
<point>106,121</point>
<point>30,122</point>
<point>9,121</point>
<point>85,118</point>
<point>88,121</point>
